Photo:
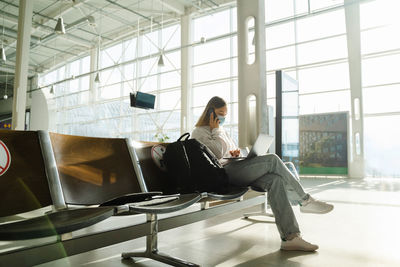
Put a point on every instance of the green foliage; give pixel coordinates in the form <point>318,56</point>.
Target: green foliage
<point>161,137</point>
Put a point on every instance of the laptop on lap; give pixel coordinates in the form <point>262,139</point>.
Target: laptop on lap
<point>260,147</point>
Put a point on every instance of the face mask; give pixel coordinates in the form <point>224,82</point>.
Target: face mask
<point>221,119</point>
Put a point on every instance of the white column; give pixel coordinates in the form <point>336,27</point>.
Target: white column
<point>186,72</point>
<point>252,80</point>
<point>356,157</point>
<point>21,64</point>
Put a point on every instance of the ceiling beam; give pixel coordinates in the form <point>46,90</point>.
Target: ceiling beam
<point>173,6</point>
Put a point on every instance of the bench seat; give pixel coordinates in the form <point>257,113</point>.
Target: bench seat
<point>55,223</point>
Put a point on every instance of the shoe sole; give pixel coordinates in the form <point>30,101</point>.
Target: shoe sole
<point>316,212</point>
<point>298,249</point>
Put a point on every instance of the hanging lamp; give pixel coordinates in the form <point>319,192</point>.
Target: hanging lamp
<point>3,54</point>
<point>60,29</point>
<point>161,61</point>
<point>97,78</point>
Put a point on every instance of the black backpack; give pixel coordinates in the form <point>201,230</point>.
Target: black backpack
<point>193,167</point>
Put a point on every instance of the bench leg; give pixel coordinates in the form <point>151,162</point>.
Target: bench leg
<point>151,251</point>
<point>264,210</point>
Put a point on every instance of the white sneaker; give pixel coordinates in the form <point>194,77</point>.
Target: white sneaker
<point>312,205</point>
<point>298,243</point>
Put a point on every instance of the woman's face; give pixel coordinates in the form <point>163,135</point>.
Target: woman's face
<point>222,111</point>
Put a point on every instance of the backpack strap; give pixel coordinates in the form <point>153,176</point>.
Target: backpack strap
<point>183,135</point>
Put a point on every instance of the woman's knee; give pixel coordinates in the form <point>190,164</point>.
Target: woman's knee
<point>271,157</point>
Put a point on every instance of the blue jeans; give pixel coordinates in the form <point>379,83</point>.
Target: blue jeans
<point>271,174</point>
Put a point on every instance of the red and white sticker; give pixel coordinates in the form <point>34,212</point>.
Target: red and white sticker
<point>5,158</point>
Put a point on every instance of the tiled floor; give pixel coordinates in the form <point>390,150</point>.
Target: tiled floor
<point>362,230</point>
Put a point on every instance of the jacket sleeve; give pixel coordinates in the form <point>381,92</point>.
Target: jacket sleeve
<point>214,140</point>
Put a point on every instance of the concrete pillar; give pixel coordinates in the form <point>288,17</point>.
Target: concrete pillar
<point>21,64</point>
<point>186,72</point>
<point>253,116</point>
<point>39,109</point>
<point>356,159</point>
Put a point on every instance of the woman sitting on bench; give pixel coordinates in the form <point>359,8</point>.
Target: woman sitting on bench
<point>210,132</point>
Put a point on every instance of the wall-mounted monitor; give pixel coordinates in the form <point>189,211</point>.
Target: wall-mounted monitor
<point>142,100</point>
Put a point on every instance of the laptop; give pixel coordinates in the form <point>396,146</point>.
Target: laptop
<point>260,147</point>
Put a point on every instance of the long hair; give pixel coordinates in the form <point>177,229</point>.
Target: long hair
<point>215,102</point>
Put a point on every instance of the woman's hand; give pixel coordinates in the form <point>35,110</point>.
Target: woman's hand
<point>235,153</point>
<point>214,122</point>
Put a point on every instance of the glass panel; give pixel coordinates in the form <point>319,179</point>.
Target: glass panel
<point>107,110</point>
<point>84,83</point>
<point>149,66</point>
<point>202,94</point>
<point>386,66</point>
<point>324,102</point>
<point>111,76</point>
<point>71,100</point>
<point>148,84</point>
<point>85,65</point>
<point>211,71</point>
<point>381,99</point>
<point>73,86</point>
<point>150,43</point>
<point>147,121</point>
<point>211,51</point>
<point>80,114</point>
<point>381,39</point>
<point>171,37</point>
<point>378,13</point>
<point>324,78</point>
<point>170,79</point>
<point>172,61</point>
<point>281,58</point>
<point>278,9</point>
<point>111,55</point>
<point>320,4</point>
<point>74,68</point>
<point>320,26</point>
<point>381,136</point>
<point>170,120</point>
<point>130,49</point>
<point>84,98</point>
<point>279,35</point>
<point>323,50</point>
<point>251,41</point>
<point>170,100</point>
<point>111,91</point>
<point>211,26</point>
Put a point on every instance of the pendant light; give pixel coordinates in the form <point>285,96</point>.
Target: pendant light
<point>60,29</point>
<point>97,78</point>
<point>161,61</point>
<point>52,90</point>
<point>3,54</point>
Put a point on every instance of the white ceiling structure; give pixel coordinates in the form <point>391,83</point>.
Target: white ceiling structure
<point>85,21</point>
